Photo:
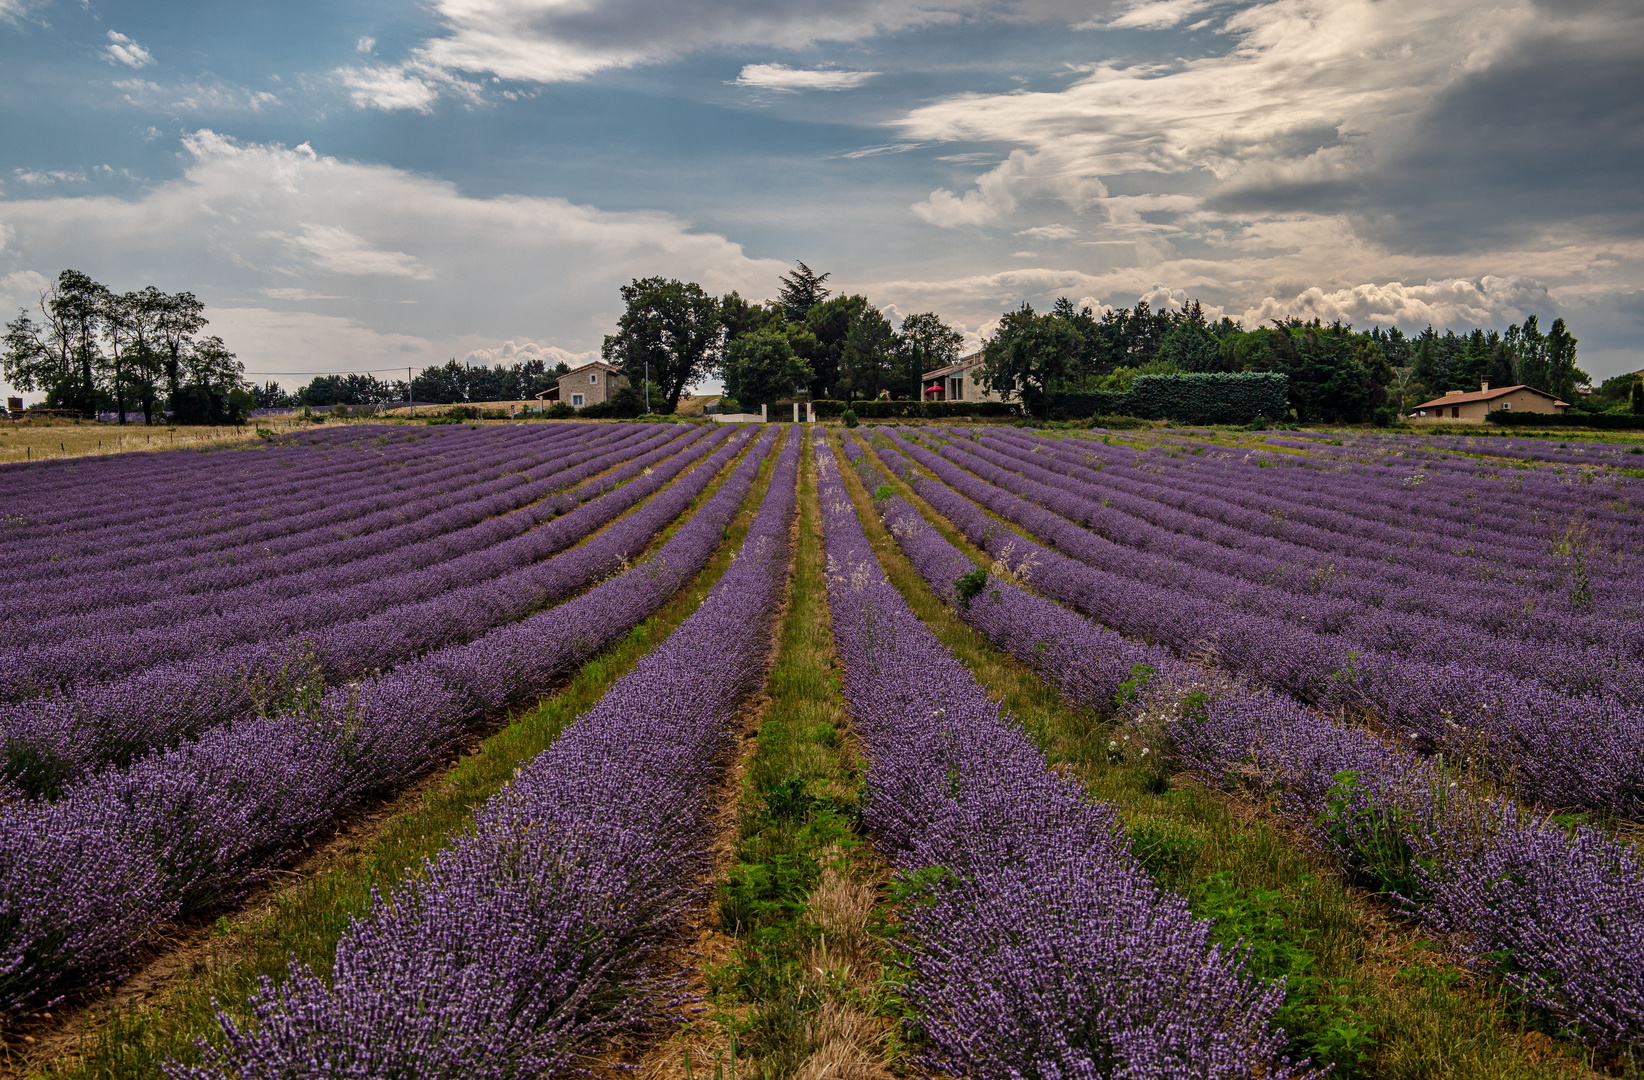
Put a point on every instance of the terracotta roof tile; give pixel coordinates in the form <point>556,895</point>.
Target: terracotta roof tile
<point>1485,395</point>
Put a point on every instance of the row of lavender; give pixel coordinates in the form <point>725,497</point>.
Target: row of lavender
<point>1610,455</point>
<point>1557,748</point>
<point>1584,653</point>
<point>1482,534</point>
<point>1485,529</point>
<point>153,580</point>
<point>537,932</point>
<point>1560,912</point>
<point>1550,670</point>
<point>94,495</point>
<point>1037,946</point>
<point>330,579</point>
<point>303,645</point>
<point>84,879</point>
<point>226,529</point>
<point>1479,493</point>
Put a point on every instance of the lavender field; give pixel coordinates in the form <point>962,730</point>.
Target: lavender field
<point>1161,754</point>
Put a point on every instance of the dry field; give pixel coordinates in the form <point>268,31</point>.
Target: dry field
<point>33,440</point>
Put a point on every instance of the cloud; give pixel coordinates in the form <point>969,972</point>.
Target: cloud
<point>24,283</point>
<point>550,41</point>
<point>1458,302</point>
<point>389,88</point>
<point>122,50</point>
<point>35,178</point>
<point>365,44</point>
<point>1049,232</point>
<point>782,77</point>
<point>875,151</point>
<point>299,294</point>
<point>1391,161</point>
<point>333,249</point>
<point>197,96</point>
<point>1152,15</point>
<point>511,352</point>
<point>427,271</point>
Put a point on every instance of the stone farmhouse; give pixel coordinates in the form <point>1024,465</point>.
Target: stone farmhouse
<point>590,384</point>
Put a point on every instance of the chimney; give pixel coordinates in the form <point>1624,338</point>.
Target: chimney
<point>1484,388</point>
<point>1450,393</point>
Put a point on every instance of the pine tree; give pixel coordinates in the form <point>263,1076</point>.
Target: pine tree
<point>801,291</point>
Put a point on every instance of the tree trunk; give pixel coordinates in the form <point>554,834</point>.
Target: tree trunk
<point>119,387</point>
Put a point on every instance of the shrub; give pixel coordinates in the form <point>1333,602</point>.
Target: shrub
<point>910,410</point>
<point>626,403</point>
<point>849,417</point>
<point>1189,398</point>
<point>1607,421</point>
<point>559,410</point>
<point>599,410</point>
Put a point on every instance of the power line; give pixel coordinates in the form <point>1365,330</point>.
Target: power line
<point>355,371</point>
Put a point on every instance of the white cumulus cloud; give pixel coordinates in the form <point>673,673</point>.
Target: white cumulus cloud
<point>122,50</point>
<point>368,265</point>
<point>389,88</point>
<point>197,96</point>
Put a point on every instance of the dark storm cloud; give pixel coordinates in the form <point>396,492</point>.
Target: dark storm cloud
<point>1550,134</point>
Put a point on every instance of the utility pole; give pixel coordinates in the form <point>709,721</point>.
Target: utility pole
<point>647,386</point>
<point>409,399</point>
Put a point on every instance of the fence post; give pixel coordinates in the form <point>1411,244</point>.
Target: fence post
<point>763,417</point>
<point>796,412</point>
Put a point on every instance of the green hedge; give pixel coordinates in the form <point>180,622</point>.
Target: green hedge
<point>1088,403</point>
<point>1198,398</point>
<point>915,410</point>
<point>1605,421</point>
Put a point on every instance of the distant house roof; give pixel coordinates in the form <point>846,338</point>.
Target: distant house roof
<point>956,367</point>
<point>1487,395</point>
<point>602,365</point>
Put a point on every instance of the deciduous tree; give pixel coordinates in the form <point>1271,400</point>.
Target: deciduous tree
<point>1028,356</point>
<point>674,326</point>
<point>761,367</point>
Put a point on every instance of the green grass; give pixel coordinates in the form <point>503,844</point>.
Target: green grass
<point>305,921</point>
<point>1375,997</point>
<point>783,988</point>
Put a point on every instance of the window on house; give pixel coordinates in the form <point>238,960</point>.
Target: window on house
<point>576,400</point>
<point>1455,412</point>
<point>594,378</point>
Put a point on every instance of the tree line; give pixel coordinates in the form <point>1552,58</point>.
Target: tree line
<point>450,383</point>
<point>95,350</point>
<point>1336,373</point>
<point>809,342</point>
<point>806,341</point>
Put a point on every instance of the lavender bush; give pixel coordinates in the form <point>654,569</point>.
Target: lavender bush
<point>1037,947</point>
<point>499,583</point>
<point>84,879</point>
<point>1559,912</point>
<point>1557,748</point>
<point>534,934</point>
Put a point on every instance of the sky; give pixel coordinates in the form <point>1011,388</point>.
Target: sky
<point>372,185</point>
